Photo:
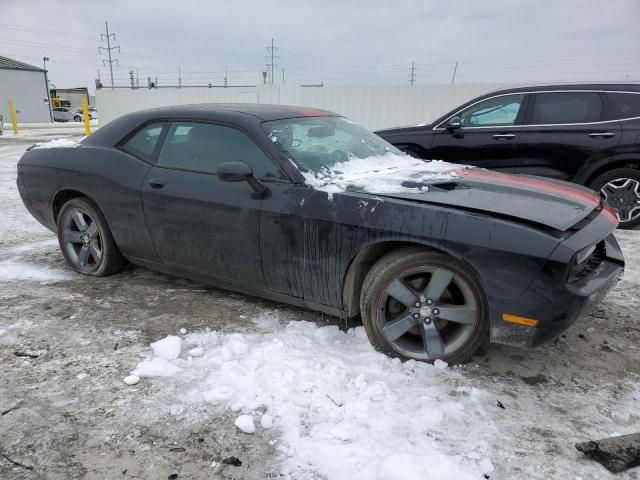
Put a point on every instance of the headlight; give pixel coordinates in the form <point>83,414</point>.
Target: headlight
<point>585,253</point>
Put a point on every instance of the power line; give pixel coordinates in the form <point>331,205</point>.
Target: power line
<point>108,37</point>
<point>270,59</point>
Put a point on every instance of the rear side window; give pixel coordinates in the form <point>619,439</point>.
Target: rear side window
<point>625,105</point>
<point>203,147</point>
<point>144,142</point>
<point>566,107</point>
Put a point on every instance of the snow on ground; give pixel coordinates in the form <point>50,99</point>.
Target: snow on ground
<point>344,411</point>
<point>388,173</point>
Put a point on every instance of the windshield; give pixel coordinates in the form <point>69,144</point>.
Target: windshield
<point>318,143</point>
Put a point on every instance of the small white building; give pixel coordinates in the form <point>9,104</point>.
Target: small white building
<point>27,86</point>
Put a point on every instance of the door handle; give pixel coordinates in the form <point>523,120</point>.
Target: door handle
<point>157,182</point>
<point>601,134</point>
<point>504,136</point>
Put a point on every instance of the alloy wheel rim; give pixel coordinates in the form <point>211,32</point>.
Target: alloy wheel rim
<point>623,195</point>
<point>82,240</point>
<point>428,312</point>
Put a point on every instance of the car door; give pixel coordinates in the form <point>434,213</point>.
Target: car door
<point>563,131</point>
<point>196,221</point>
<point>488,134</point>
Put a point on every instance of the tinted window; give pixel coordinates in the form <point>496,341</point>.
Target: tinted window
<point>625,105</point>
<point>204,147</point>
<point>496,111</point>
<point>569,107</point>
<point>144,142</point>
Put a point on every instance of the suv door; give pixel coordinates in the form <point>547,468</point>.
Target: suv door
<point>488,135</point>
<point>565,130</point>
<point>196,221</point>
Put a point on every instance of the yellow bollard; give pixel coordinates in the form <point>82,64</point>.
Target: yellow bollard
<point>14,119</point>
<point>85,115</point>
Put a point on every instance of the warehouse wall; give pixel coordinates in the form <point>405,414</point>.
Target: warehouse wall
<point>28,91</point>
<point>371,106</point>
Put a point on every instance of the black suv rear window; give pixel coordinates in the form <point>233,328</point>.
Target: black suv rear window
<point>625,105</point>
<point>566,107</point>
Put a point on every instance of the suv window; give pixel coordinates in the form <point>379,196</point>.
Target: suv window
<point>203,147</point>
<point>494,112</point>
<point>144,142</point>
<point>566,107</point>
<point>625,105</point>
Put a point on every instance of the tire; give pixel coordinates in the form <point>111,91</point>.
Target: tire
<point>458,339</point>
<point>77,118</point>
<point>86,240</point>
<point>621,189</point>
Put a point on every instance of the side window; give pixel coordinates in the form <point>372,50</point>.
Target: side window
<point>144,142</point>
<point>498,111</point>
<point>625,105</point>
<point>204,147</point>
<point>566,107</point>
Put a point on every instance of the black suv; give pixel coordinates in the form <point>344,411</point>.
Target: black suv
<point>586,134</point>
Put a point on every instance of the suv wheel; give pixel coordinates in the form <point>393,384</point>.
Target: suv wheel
<point>621,190</point>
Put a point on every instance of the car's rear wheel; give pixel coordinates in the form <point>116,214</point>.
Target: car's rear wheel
<point>620,188</point>
<point>423,305</point>
<point>77,118</point>
<point>86,241</point>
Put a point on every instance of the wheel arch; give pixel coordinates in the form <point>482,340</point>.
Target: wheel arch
<point>366,257</point>
<point>63,195</point>
<point>633,162</point>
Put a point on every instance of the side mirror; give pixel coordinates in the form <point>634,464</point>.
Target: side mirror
<point>241,172</point>
<point>454,123</point>
<point>234,172</point>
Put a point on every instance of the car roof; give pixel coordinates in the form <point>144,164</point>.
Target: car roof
<point>264,112</point>
<point>622,87</point>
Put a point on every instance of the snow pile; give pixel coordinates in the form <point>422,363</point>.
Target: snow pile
<point>14,270</point>
<point>59,143</point>
<point>342,410</point>
<point>388,173</point>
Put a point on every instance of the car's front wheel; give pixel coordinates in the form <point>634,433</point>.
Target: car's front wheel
<point>620,188</point>
<point>423,305</point>
<point>86,241</point>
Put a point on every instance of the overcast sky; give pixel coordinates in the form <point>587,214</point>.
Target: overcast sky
<point>331,41</point>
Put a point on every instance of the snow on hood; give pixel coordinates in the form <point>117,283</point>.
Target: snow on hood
<point>388,173</point>
<point>60,143</point>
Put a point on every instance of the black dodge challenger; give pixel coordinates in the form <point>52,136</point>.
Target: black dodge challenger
<point>243,197</point>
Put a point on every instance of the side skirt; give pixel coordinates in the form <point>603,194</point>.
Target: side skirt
<point>225,284</point>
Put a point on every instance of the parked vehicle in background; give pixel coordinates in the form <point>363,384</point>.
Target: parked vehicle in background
<point>586,134</point>
<point>70,114</point>
<point>283,203</point>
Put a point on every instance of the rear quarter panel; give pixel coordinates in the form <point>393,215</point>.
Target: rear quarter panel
<point>109,177</point>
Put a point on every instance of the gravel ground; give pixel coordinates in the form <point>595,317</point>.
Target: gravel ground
<point>66,413</point>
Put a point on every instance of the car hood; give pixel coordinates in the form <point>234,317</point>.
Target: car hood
<point>552,203</point>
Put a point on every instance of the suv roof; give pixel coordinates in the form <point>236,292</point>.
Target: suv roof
<point>623,87</point>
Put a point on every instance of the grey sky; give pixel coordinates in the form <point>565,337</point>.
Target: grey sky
<point>337,42</point>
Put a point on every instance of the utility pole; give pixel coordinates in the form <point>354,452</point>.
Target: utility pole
<point>226,77</point>
<point>453,78</point>
<point>46,85</point>
<point>179,78</point>
<point>270,58</point>
<point>132,80</point>
<point>137,79</point>
<point>108,37</point>
<point>264,77</point>
<point>412,74</point>
<point>283,76</point>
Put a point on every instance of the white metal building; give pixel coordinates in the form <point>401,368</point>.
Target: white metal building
<point>27,86</point>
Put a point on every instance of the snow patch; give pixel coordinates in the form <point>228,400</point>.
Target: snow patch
<point>343,410</point>
<point>59,143</point>
<point>168,348</point>
<point>16,271</point>
<point>245,424</point>
<point>388,173</point>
